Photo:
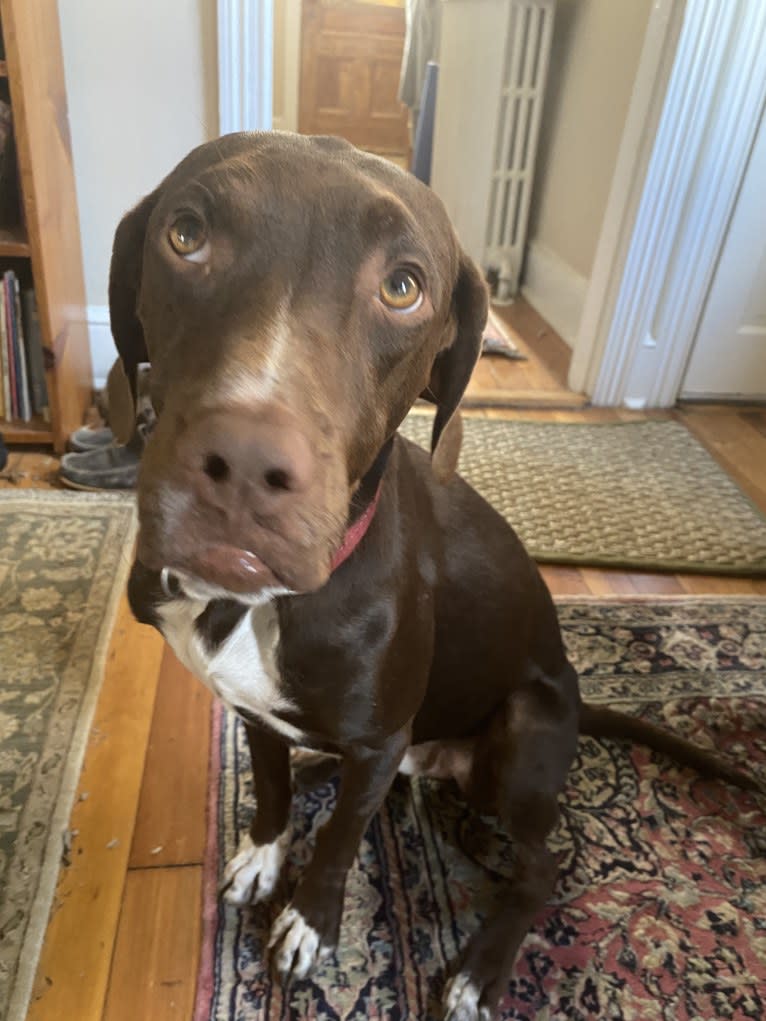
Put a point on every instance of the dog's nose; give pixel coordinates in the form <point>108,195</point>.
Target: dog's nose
<point>249,460</point>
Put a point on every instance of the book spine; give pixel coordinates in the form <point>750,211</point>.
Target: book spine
<point>4,368</point>
<point>8,301</point>
<point>35,362</point>
<point>25,401</point>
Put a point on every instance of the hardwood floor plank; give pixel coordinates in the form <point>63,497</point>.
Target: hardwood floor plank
<point>564,581</point>
<point>157,951</point>
<point>521,399</point>
<point>482,378</point>
<point>708,584</point>
<point>657,584</point>
<point>564,414</point>
<point>528,375</point>
<point>607,582</point>
<point>30,469</point>
<point>73,972</point>
<point>737,444</point>
<point>538,339</point>
<point>170,826</point>
<point>756,419</point>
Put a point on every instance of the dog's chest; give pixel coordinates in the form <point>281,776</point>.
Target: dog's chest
<point>242,670</point>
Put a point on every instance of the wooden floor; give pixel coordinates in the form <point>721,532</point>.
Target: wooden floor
<point>123,940</point>
<point>540,381</point>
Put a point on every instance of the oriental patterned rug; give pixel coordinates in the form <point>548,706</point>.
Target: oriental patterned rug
<point>659,912</point>
<point>64,560</point>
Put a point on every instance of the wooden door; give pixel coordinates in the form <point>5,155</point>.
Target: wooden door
<point>351,55</point>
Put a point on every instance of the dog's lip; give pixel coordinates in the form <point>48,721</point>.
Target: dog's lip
<point>232,568</point>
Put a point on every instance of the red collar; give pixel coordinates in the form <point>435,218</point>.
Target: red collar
<point>356,532</point>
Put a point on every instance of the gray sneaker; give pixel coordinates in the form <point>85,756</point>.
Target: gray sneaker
<point>112,467</point>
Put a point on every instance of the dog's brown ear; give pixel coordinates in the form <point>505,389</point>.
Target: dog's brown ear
<point>124,284</point>
<point>446,453</point>
<point>454,364</point>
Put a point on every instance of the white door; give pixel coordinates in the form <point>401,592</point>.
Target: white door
<point>728,358</point>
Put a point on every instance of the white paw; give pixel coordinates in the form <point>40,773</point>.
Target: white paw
<point>252,873</point>
<point>299,945</point>
<point>461,998</point>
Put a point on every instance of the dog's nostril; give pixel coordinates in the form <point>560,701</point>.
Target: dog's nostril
<point>277,478</point>
<point>216,468</point>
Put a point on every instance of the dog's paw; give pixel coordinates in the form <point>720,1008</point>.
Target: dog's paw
<point>461,1000</point>
<point>296,947</point>
<point>252,873</point>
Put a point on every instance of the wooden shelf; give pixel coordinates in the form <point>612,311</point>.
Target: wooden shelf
<point>36,431</point>
<point>13,241</point>
<point>50,237</point>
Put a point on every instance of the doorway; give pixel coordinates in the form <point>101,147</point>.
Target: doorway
<point>351,57</point>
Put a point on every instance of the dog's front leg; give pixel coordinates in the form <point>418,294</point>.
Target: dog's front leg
<point>253,872</point>
<point>308,927</point>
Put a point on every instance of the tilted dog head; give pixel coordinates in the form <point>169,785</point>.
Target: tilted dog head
<point>294,296</point>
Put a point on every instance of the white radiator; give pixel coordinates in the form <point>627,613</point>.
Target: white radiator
<point>493,68</point>
<point>525,69</point>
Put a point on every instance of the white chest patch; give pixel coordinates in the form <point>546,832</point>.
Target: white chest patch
<point>243,670</point>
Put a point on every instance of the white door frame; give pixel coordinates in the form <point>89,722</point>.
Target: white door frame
<point>245,65</point>
<point>286,118</point>
<point>642,314</point>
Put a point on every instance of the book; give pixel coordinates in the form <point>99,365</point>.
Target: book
<point>11,354</point>
<point>38,388</point>
<point>25,402</point>
<point>4,367</point>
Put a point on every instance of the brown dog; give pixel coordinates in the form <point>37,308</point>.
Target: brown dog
<point>295,297</point>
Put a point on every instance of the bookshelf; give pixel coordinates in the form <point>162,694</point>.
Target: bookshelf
<point>42,244</point>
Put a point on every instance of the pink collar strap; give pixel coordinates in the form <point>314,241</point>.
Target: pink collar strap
<point>356,532</point>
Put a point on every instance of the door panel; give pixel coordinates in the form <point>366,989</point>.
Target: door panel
<point>729,354</point>
<point>351,55</point>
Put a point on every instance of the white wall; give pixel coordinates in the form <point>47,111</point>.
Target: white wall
<point>141,78</point>
<point>594,58</point>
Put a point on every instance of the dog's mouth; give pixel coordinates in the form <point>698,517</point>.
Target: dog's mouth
<point>185,583</point>
<point>233,569</point>
<point>219,569</point>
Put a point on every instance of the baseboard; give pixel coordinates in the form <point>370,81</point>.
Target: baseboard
<point>102,349</point>
<point>555,290</point>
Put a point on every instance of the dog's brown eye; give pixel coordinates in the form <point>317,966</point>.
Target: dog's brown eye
<point>401,291</point>
<point>187,236</point>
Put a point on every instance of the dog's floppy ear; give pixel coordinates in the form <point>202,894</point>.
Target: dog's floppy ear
<point>121,403</point>
<point>453,365</point>
<point>124,284</point>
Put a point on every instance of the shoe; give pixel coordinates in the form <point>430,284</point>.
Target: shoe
<point>113,467</point>
<point>90,439</point>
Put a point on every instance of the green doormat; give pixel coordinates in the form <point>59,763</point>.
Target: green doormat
<point>630,494</point>
<point>64,560</point>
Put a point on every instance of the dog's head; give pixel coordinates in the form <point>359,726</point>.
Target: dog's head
<point>294,297</point>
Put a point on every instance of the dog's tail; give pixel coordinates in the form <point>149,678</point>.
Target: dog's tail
<point>600,721</point>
